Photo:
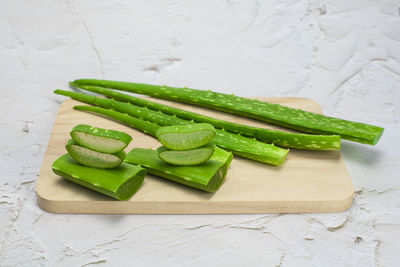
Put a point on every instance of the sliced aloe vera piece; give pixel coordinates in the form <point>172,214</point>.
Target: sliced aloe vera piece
<point>101,140</point>
<point>186,157</point>
<point>207,176</point>
<point>185,137</point>
<point>91,158</point>
<point>120,183</point>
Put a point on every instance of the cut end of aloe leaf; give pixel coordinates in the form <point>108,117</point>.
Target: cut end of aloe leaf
<point>93,158</point>
<point>378,136</point>
<point>120,183</point>
<point>101,140</point>
<point>186,157</point>
<point>186,137</point>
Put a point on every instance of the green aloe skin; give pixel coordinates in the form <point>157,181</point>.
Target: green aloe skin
<point>91,158</point>
<point>185,137</point>
<point>101,140</point>
<point>273,113</point>
<point>145,120</point>
<point>120,182</point>
<point>279,138</point>
<point>208,176</point>
<point>186,157</point>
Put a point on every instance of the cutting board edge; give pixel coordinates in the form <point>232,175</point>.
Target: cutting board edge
<point>245,207</point>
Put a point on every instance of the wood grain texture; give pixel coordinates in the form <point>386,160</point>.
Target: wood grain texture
<point>309,181</point>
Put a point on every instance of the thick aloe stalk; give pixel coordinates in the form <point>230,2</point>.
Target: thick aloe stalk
<point>239,145</point>
<point>207,176</point>
<point>101,140</point>
<point>279,138</point>
<point>120,183</point>
<point>91,158</point>
<point>185,137</point>
<point>273,113</point>
<point>186,157</point>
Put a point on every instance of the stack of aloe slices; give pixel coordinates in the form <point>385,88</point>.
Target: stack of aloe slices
<point>96,147</point>
<point>187,157</point>
<point>95,160</point>
<point>186,144</point>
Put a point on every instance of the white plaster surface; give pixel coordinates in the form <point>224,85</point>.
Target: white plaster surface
<point>343,54</point>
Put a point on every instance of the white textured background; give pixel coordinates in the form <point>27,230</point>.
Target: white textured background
<point>343,54</point>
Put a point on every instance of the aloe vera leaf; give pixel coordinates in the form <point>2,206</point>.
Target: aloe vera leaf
<point>246,147</point>
<point>91,158</point>
<point>292,118</point>
<point>120,183</point>
<point>101,140</point>
<point>186,157</point>
<point>207,176</point>
<point>239,145</point>
<point>185,137</point>
<point>279,138</point>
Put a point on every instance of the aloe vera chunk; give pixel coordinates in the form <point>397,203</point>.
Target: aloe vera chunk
<point>292,118</point>
<point>93,158</point>
<point>101,140</point>
<point>186,157</point>
<point>120,183</point>
<point>207,176</point>
<point>279,138</point>
<point>185,137</point>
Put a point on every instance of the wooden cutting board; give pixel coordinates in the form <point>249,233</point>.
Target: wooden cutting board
<point>308,181</point>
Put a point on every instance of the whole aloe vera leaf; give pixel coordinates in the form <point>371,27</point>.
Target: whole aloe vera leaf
<point>120,183</point>
<point>185,137</point>
<point>186,157</point>
<point>279,138</point>
<point>239,145</point>
<point>207,176</point>
<point>101,140</point>
<point>91,158</point>
<point>292,118</point>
